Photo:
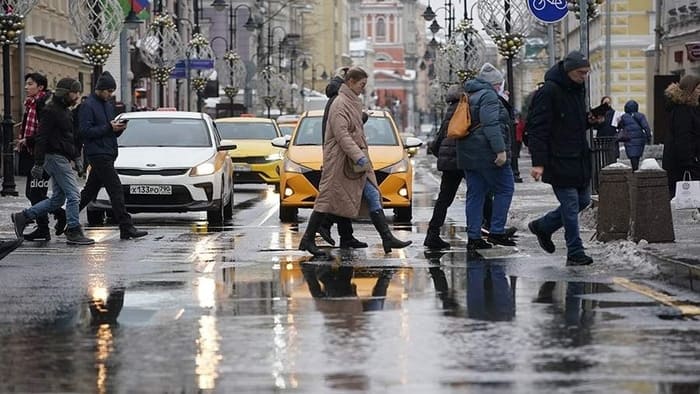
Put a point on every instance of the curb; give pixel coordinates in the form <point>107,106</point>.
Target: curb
<point>676,271</point>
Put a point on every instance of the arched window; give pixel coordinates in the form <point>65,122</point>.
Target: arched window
<point>381,29</point>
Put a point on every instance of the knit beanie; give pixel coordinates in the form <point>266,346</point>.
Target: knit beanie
<point>66,85</point>
<point>106,82</point>
<point>574,60</point>
<point>688,83</point>
<point>490,74</point>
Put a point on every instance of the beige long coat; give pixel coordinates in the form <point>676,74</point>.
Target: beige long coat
<point>340,190</point>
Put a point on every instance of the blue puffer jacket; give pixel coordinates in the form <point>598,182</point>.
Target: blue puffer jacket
<point>638,128</point>
<point>96,131</point>
<point>489,133</point>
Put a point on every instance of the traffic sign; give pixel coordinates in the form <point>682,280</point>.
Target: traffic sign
<point>548,11</point>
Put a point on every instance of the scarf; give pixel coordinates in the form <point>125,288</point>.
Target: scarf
<point>31,125</point>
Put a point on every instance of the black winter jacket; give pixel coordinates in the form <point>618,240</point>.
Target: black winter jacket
<point>56,133</point>
<point>446,148</point>
<point>682,144</point>
<point>96,130</point>
<point>557,125</point>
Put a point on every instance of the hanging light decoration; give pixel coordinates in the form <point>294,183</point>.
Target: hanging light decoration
<point>507,22</point>
<point>160,47</point>
<point>272,83</point>
<point>236,71</point>
<point>97,23</point>
<point>12,16</point>
<point>474,49</point>
<point>199,48</point>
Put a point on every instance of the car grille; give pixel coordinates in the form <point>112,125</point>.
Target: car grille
<point>247,177</point>
<point>250,160</point>
<point>381,176</point>
<point>163,172</point>
<point>314,177</point>
<point>180,196</point>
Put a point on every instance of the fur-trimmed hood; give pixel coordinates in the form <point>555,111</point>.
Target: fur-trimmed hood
<point>676,95</point>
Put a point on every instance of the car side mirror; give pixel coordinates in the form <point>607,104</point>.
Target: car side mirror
<point>281,142</point>
<point>412,142</point>
<point>226,145</point>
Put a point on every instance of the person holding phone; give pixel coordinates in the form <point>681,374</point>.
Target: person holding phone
<point>99,132</point>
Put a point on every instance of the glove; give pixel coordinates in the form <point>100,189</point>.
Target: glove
<point>37,171</point>
<point>362,161</point>
<point>501,158</point>
<point>78,166</point>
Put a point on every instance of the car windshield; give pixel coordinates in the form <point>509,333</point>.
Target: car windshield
<point>286,129</point>
<point>378,131</point>
<point>165,132</point>
<point>247,131</point>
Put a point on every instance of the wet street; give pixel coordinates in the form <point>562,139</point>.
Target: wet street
<point>237,308</point>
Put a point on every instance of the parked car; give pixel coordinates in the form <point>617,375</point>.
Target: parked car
<point>171,162</point>
<point>300,172</point>
<point>255,160</point>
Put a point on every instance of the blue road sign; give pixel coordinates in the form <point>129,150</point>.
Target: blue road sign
<point>548,11</point>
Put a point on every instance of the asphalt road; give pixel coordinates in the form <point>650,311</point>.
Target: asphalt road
<point>238,309</point>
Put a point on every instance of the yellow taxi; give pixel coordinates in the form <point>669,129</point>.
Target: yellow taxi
<point>300,172</point>
<point>255,160</point>
<point>287,123</point>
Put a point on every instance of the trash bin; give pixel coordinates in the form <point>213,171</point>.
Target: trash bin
<point>613,203</point>
<point>650,207</point>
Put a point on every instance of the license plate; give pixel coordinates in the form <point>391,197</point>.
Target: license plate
<point>151,189</point>
<point>241,167</point>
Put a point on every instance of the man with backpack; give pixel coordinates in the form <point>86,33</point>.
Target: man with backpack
<point>556,125</point>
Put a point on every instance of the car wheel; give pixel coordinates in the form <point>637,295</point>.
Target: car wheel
<point>228,208</point>
<point>95,217</point>
<point>215,216</point>
<point>288,214</point>
<point>404,215</point>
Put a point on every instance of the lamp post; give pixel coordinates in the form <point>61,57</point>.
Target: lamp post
<point>160,49</point>
<point>12,16</point>
<point>429,15</point>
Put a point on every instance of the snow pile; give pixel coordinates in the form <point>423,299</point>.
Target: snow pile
<point>588,218</point>
<point>628,256</point>
<point>618,165</point>
<point>649,164</point>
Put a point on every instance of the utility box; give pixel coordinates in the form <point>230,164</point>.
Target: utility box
<point>650,207</point>
<point>613,204</point>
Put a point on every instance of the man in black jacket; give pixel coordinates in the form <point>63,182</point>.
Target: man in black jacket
<point>557,125</point>
<point>55,152</point>
<point>99,132</point>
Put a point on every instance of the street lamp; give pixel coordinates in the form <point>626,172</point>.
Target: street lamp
<point>12,16</point>
<point>97,23</point>
<point>161,49</point>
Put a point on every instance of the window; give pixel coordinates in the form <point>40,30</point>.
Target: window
<point>166,132</point>
<point>355,31</point>
<point>247,131</point>
<point>381,29</point>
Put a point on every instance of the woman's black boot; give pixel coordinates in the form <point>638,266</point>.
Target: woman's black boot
<point>388,239</point>
<point>308,241</point>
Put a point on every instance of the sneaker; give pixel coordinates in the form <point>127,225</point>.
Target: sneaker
<point>433,241</point>
<point>40,233</point>
<point>501,239</point>
<point>518,179</point>
<point>130,231</point>
<point>509,231</point>
<point>475,244</point>
<point>545,240</point>
<point>60,216</point>
<point>20,221</point>
<point>75,236</point>
<point>578,259</point>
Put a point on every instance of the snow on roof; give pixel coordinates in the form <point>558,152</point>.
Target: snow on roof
<point>40,41</point>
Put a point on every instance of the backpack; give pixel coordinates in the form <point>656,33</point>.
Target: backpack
<point>461,120</point>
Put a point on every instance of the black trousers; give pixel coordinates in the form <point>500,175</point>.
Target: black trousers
<point>344,225</point>
<point>449,183</point>
<point>103,174</point>
<point>36,191</point>
<point>515,151</point>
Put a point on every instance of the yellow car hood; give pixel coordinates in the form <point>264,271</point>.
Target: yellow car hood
<point>312,156</point>
<point>248,148</point>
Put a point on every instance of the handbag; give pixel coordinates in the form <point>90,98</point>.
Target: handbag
<point>623,135</point>
<point>687,193</point>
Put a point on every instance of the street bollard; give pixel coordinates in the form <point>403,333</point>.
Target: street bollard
<point>650,207</point>
<point>613,203</point>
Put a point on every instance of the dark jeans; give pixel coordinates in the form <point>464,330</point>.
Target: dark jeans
<point>36,191</point>
<point>572,201</point>
<point>103,174</point>
<point>635,163</point>
<point>449,183</point>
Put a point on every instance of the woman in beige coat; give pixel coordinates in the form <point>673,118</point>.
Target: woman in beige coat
<point>347,178</point>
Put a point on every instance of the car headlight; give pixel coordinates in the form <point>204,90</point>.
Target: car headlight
<point>400,166</point>
<point>290,166</point>
<point>212,165</point>
<point>274,157</point>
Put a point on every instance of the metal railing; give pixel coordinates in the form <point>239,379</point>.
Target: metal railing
<point>605,150</point>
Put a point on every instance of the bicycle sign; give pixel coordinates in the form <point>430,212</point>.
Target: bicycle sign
<point>548,11</point>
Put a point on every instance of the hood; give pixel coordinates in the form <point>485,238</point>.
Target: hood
<point>474,85</point>
<point>248,148</point>
<point>678,96</point>
<point>454,93</point>
<point>151,158</point>
<point>333,87</point>
<point>557,75</point>
<point>631,107</point>
<point>384,156</point>
<point>311,156</point>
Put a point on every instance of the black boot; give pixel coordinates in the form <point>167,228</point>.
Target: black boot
<point>129,231</point>
<point>347,241</point>
<point>41,233</point>
<point>308,241</point>
<point>388,239</point>
<point>433,240</point>
<point>75,236</point>
<point>60,216</point>
<point>325,230</point>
